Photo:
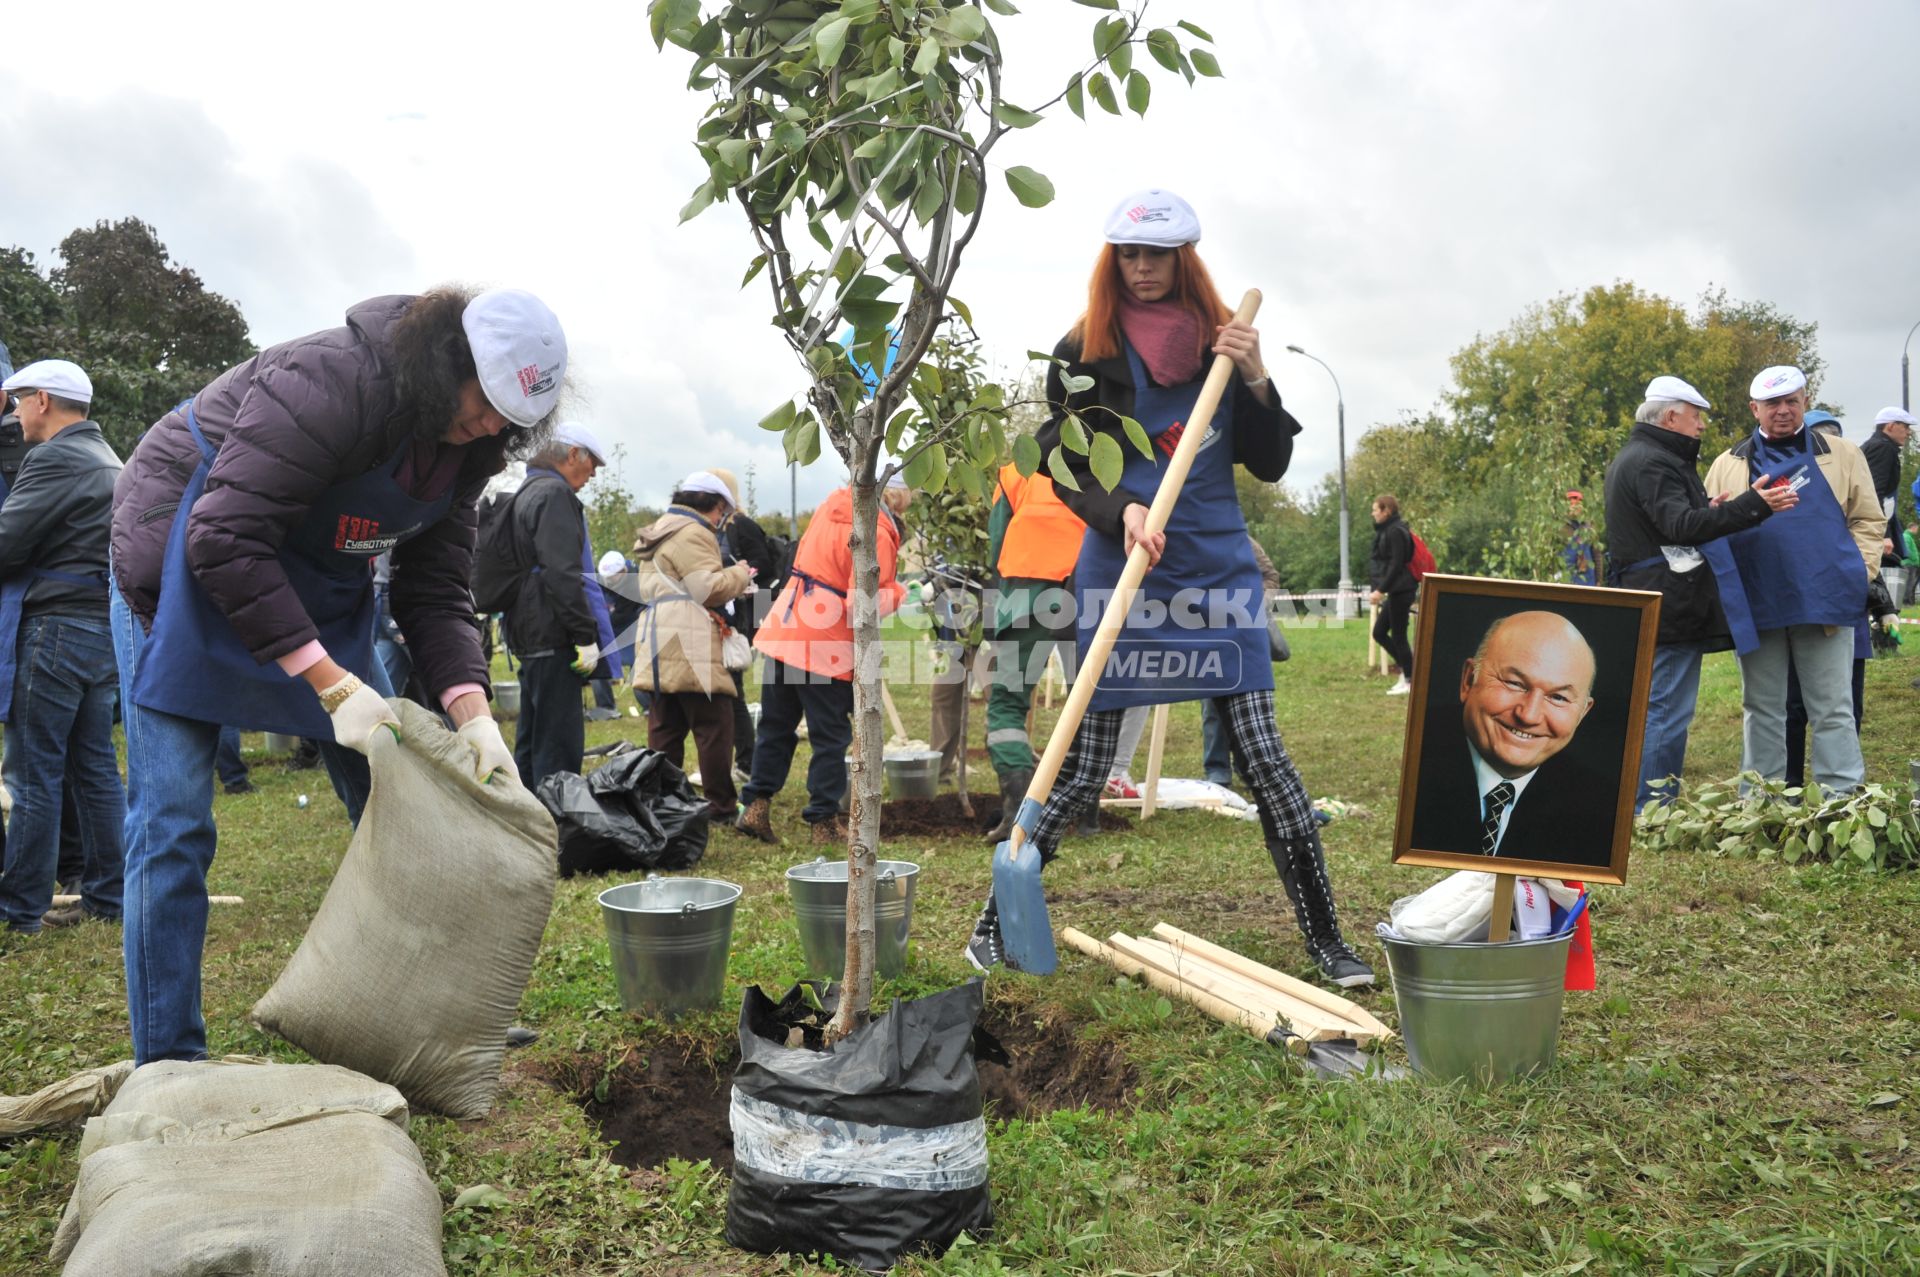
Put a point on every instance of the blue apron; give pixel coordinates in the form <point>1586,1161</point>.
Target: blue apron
<point>1798,567</point>
<point>1169,649</point>
<point>13,595</point>
<point>195,666</point>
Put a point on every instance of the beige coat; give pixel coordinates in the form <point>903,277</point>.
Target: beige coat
<point>680,577</point>
<point>1844,467</point>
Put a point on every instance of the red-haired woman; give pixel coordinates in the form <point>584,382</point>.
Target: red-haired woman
<point>1198,630</point>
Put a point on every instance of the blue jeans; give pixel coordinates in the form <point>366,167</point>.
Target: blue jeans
<point>61,738</point>
<point>1218,754</point>
<point>1670,701</point>
<point>227,763</point>
<point>170,841</point>
<point>788,694</point>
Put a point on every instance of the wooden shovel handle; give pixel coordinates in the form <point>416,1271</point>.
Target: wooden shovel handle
<point>1087,678</point>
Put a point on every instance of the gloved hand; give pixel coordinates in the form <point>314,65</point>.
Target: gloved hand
<point>357,711</point>
<point>489,748</point>
<point>585,658</point>
<point>6,801</point>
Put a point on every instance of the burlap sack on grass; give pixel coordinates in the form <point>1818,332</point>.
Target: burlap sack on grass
<point>62,1103</point>
<point>413,967</point>
<point>244,1166</point>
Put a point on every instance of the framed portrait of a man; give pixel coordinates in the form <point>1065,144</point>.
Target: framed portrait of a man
<point>1524,730</point>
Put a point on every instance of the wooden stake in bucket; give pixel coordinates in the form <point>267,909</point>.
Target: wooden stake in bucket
<point>1026,933</point>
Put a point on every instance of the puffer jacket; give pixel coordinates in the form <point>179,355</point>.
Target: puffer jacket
<point>289,423</point>
<point>680,577</point>
<point>810,625</point>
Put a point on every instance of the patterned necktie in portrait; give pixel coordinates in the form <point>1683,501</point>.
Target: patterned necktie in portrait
<point>1498,799</point>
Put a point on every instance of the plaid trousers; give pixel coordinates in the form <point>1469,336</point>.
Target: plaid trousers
<point>1249,719</point>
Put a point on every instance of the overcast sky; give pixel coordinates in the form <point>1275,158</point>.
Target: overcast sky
<point>1396,177</point>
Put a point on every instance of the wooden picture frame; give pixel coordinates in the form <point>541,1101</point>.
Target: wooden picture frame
<point>1573,815</point>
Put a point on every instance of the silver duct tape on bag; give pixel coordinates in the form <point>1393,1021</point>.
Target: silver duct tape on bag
<point>781,1141</point>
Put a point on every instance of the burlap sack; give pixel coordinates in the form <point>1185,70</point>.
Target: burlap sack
<point>242,1165</point>
<point>63,1103</point>
<point>413,967</point>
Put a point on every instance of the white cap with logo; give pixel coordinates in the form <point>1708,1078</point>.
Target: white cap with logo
<point>572,434</point>
<point>1674,388</point>
<point>519,351</point>
<point>611,565</point>
<point>1893,417</point>
<point>1155,218</point>
<point>1776,382</point>
<point>56,377</point>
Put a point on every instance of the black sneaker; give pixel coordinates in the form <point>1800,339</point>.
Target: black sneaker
<point>242,786</point>
<point>1343,967</point>
<point>984,951</point>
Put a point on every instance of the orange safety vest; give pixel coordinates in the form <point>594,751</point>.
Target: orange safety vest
<point>1042,540</point>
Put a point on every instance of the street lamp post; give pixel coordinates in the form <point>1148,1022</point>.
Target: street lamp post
<point>1346,607</point>
<point>1904,405</point>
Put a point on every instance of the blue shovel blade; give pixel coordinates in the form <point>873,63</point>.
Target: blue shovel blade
<point>1026,934</point>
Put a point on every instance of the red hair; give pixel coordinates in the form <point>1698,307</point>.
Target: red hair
<point>1098,329</point>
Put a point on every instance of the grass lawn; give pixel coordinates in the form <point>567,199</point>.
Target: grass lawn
<point>1719,1105</point>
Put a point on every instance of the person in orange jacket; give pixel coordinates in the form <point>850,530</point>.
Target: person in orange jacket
<point>1032,541</point>
<point>807,640</point>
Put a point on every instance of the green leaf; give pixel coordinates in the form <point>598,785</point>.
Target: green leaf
<point>1102,90</point>
<point>735,151</point>
<point>964,477</point>
<point>1076,100</point>
<point>803,442</point>
<point>873,148</point>
<point>960,308</point>
<point>481,1197</point>
<point>788,136</point>
<point>1138,91</point>
<point>928,199</point>
<point>927,58</point>
<point>966,193</point>
<point>1029,187</point>
<point>1099,4</point>
<point>1076,383</point>
<point>1057,467</point>
<point>1121,59</point>
<point>1205,63</point>
<point>1106,461</point>
<point>1192,30</point>
<point>859,10</point>
<point>830,41</point>
<point>780,418</point>
<point>1073,434</point>
<point>1164,45</point>
<point>1002,7</point>
<point>1026,455</point>
<point>758,264</point>
<point>702,197</point>
<point>1015,117</point>
<point>1108,35</point>
<point>961,26</point>
<point>1137,436</point>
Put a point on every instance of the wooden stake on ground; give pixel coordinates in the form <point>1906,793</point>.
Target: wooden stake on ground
<point>1240,963</point>
<point>63,900</point>
<point>1156,752</point>
<point>1309,1022</point>
<point>1500,926</point>
<point>1253,1022</point>
<point>893,714</point>
<point>1373,648</point>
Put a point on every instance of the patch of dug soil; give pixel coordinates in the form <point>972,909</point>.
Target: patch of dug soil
<point>664,1101</point>
<point>941,816</point>
<point>1054,1067</point>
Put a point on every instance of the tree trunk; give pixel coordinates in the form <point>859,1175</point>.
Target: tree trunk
<point>869,732</point>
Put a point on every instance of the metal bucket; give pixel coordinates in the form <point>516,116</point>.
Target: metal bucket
<point>1895,580</point>
<point>281,744</point>
<point>912,773</point>
<point>819,894</point>
<point>669,938</point>
<point>1480,1012</point>
<point>506,700</point>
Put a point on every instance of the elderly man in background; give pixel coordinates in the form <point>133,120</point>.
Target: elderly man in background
<point>1658,516</point>
<point>1802,578</point>
<point>1891,429</point>
<point>56,651</point>
<point>558,624</point>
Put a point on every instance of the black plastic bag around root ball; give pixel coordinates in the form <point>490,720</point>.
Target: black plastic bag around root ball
<point>636,811</point>
<point>868,1153</point>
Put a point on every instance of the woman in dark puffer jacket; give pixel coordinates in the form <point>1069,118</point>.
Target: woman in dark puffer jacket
<point>244,530</point>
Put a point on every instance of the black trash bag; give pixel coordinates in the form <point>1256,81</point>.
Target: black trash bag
<point>869,1153</point>
<point>636,811</point>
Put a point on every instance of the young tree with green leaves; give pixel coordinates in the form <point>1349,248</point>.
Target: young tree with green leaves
<point>857,137</point>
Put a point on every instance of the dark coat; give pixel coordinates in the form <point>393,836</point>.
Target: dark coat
<point>749,543</point>
<point>1565,814</point>
<point>1262,436</point>
<point>551,612</point>
<point>1883,463</point>
<point>1654,498</point>
<point>58,516</point>
<point>1390,567</point>
<point>289,423</point>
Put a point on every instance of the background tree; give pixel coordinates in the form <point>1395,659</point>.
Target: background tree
<point>864,130</point>
<point>146,330</point>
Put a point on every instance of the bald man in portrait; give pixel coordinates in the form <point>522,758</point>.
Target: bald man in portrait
<point>1497,779</point>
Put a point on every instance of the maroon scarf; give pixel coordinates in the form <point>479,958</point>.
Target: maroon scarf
<point>1166,335</point>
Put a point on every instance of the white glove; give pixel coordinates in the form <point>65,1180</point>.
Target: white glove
<point>6,801</point>
<point>585,658</point>
<point>358,714</point>
<point>490,752</point>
